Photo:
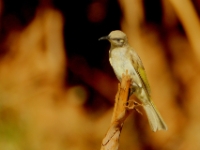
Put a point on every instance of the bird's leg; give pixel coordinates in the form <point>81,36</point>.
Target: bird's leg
<point>132,104</point>
<point>133,89</point>
<point>137,105</point>
<point>129,104</point>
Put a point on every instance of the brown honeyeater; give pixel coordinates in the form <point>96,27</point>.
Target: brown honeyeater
<point>122,57</point>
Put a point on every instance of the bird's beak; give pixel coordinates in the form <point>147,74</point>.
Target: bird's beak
<point>104,38</point>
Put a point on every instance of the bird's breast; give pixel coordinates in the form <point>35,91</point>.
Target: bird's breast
<point>121,62</point>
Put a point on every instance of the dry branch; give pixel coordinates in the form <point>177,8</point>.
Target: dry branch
<point>120,113</point>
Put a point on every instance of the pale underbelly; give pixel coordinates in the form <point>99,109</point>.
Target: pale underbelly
<point>120,66</point>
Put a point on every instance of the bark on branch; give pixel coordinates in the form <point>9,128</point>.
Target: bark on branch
<point>121,111</point>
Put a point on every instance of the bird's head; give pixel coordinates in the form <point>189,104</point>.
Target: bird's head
<point>117,38</point>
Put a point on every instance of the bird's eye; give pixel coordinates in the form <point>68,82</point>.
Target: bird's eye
<point>118,40</point>
<point>121,41</point>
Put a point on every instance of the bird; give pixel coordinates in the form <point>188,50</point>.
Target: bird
<point>124,58</point>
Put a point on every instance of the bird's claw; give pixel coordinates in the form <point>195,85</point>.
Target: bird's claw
<point>131,104</point>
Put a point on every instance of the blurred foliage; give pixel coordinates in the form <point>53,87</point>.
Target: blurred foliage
<point>57,88</point>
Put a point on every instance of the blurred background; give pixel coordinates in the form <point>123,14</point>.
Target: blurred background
<point>57,87</point>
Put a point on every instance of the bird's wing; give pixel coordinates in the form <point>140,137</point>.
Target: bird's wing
<point>137,63</point>
<point>142,74</point>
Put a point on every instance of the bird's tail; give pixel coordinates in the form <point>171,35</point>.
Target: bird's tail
<point>155,120</point>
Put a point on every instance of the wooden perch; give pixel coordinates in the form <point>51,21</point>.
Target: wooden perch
<point>121,111</point>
